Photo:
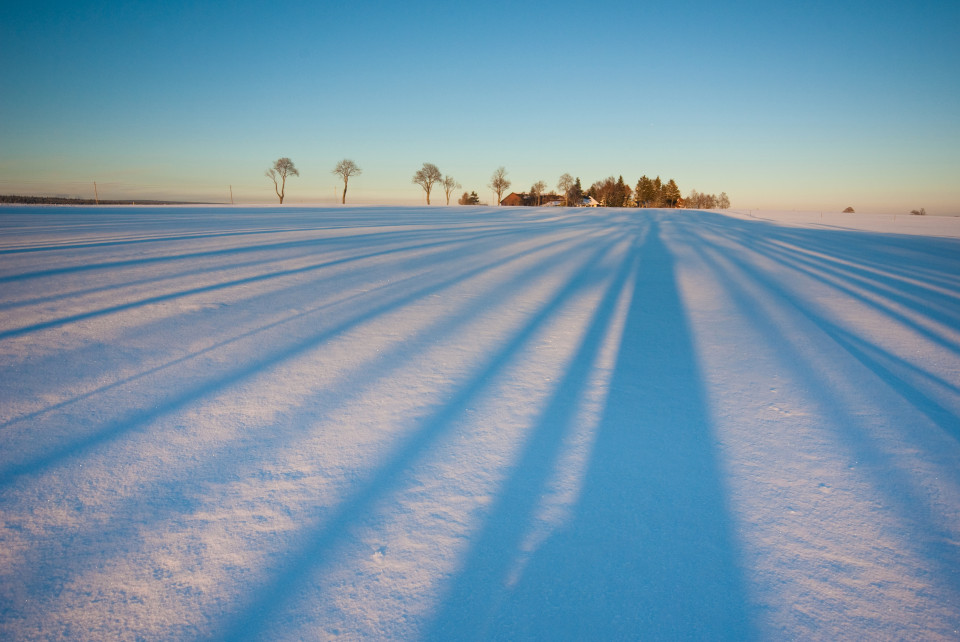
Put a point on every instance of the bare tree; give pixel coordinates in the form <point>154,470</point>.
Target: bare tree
<point>282,168</point>
<point>564,185</point>
<point>499,183</point>
<point>537,190</point>
<point>449,184</point>
<point>345,169</point>
<point>426,177</point>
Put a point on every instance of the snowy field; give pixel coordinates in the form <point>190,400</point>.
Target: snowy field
<point>478,423</point>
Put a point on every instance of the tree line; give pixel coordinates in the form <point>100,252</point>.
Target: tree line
<point>19,199</point>
<point>609,192</point>
<point>614,192</point>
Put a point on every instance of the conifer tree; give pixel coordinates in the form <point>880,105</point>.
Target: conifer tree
<point>646,192</point>
<point>621,194</point>
<point>671,194</point>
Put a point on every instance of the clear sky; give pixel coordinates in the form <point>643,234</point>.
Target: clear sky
<point>798,105</point>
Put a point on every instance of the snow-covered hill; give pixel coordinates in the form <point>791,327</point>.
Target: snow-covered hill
<point>480,423</point>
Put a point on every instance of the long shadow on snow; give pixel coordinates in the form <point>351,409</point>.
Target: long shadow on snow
<point>189,269</point>
<point>179,493</point>
<point>887,294</point>
<point>138,419</point>
<point>647,552</point>
<point>888,266</point>
<point>915,509</point>
<point>265,253</point>
<point>423,258</point>
<point>892,293</point>
<point>458,249</point>
<point>223,285</point>
<point>359,239</point>
<point>168,227</point>
<point>148,240</point>
<point>255,617</point>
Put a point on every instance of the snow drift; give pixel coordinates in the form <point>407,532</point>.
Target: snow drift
<point>480,423</point>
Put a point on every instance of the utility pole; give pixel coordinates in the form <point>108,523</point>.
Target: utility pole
<point>231,194</point>
<point>96,196</point>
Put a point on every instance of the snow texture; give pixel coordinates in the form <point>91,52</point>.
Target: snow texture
<point>478,423</point>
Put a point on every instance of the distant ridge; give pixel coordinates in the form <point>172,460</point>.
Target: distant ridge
<point>59,200</point>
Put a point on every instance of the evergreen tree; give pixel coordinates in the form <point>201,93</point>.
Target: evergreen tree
<point>610,192</point>
<point>646,192</point>
<point>621,194</point>
<point>671,194</point>
<point>469,199</point>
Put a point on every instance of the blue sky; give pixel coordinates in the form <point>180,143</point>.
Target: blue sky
<point>805,105</point>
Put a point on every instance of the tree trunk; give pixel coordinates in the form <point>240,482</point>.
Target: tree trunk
<point>343,201</point>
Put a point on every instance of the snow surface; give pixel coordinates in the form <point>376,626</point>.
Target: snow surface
<point>478,423</point>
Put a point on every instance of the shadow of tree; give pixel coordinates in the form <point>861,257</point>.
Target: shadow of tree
<point>647,552</point>
<point>260,608</point>
<point>179,492</point>
<point>882,373</point>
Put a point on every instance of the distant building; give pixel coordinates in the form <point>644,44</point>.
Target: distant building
<point>520,199</point>
<point>513,199</point>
